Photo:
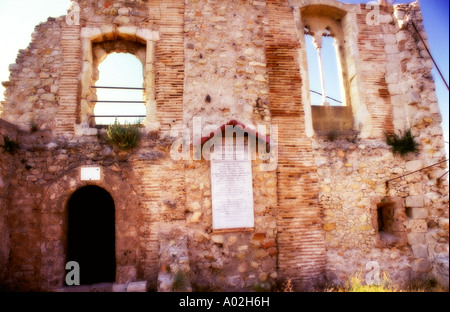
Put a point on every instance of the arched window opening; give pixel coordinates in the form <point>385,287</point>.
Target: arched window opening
<point>325,80</point>
<point>120,93</point>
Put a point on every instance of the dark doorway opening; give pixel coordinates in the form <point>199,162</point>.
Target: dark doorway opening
<point>91,234</point>
<point>385,218</point>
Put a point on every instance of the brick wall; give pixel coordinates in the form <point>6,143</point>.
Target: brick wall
<point>300,237</point>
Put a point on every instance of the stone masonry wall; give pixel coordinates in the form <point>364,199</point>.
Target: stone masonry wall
<point>32,92</point>
<point>353,172</point>
<point>46,174</point>
<point>226,62</point>
<point>6,173</point>
<point>315,215</point>
<point>226,261</point>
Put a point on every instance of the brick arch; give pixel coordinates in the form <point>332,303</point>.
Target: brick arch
<point>54,226</point>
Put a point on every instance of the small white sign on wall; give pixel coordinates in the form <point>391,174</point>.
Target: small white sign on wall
<point>90,174</point>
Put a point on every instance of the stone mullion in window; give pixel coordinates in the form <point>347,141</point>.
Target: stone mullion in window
<point>318,43</point>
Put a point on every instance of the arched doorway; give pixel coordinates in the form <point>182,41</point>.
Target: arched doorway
<point>91,234</point>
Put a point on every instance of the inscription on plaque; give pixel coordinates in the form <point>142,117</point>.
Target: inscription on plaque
<point>232,191</point>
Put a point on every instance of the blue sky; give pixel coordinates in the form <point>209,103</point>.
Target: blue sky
<point>18,19</point>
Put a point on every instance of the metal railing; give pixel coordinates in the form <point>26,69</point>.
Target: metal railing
<point>328,97</point>
<point>118,102</point>
<point>410,173</point>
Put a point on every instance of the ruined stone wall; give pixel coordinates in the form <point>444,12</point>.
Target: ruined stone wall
<point>46,174</point>
<point>315,215</point>
<point>226,261</point>
<point>32,92</point>
<point>226,73</point>
<point>225,60</point>
<point>353,172</point>
<point>6,172</point>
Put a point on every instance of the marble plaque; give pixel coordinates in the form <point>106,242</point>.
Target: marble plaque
<point>232,192</point>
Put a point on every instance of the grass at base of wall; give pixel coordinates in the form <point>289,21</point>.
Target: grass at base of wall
<point>358,284</point>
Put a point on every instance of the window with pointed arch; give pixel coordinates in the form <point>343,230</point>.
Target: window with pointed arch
<point>325,77</point>
<point>332,82</point>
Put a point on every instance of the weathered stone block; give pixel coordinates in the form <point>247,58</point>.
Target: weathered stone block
<point>442,268</point>
<point>422,266</point>
<point>416,239</point>
<point>396,88</point>
<point>415,201</point>
<point>444,224</point>
<point>329,227</point>
<point>412,97</point>
<point>196,217</point>
<point>398,100</point>
<point>392,78</point>
<point>419,226</point>
<point>218,239</point>
<point>391,48</point>
<point>119,288</point>
<point>92,33</point>
<point>137,287</point>
<point>402,36</point>
<point>390,39</point>
<point>48,97</point>
<point>127,32</point>
<point>121,19</point>
<point>420,251</point>
<point>414,165</point>
<point>417,213</point>
<point>386,18</point>
<point>85,130</point>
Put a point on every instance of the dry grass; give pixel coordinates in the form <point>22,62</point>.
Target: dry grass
<point>357,284</point>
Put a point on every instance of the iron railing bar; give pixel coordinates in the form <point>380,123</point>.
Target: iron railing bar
<point>117,116</point>
<point>132,102</point>
<point>429,53</point>
<point>120,88</point>
<point>441,162</point>
<point>328,97</point>
<point>443,175</point>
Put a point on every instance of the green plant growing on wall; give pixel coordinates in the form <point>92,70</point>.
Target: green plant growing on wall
<point>332,135</point>
<point>403,144</point>
<point>9,145</point>
<point>125,137</point>
<point>178,281</point>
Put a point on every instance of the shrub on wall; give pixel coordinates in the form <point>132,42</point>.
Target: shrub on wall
<point>125,137</point>
<point>402,145</point>
<point>9,145</point>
